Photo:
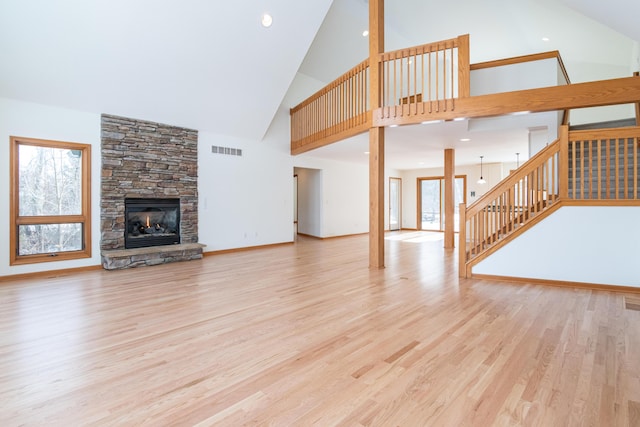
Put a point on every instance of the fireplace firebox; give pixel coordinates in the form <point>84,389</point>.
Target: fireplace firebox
<point>151,222</point>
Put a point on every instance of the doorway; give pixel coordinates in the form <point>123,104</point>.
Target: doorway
<point>431,202</point>
<point>395,204</point>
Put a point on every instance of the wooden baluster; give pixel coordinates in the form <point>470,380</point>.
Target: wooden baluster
<point>636,146</point>
<point>395,85</point>
<point>415,81</point>
<point>599,160</point>
<point>437,77</point>
<point>453,71</point>
<point>617,156</point>
<point>444,75</point>
<point>462,241</point>
<point>625,163</point>
<point>422,72</point>
<point>607,144</point>
<point>573,170</point>
<point>429,77</point>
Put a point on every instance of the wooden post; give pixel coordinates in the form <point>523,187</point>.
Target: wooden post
<point>464,67</point>
<point>376,138</point>
<point>462,242</point>
<point>376,197</point>
<point>563,163</point>
<point>449,198</point>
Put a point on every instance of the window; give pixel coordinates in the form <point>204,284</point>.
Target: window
<point>431,202</point>
<point>50,201</point>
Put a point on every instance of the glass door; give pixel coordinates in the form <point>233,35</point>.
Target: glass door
<point>431,202</point>
<point>395,204</point>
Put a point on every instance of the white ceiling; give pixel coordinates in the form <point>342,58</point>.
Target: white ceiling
<point>202,64</point>
<point>210,66</point>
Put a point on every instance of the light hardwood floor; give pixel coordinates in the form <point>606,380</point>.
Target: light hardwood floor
<point>306,334</point>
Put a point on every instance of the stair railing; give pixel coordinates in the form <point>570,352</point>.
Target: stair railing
<point>587,167</point>
<point>526,192</point>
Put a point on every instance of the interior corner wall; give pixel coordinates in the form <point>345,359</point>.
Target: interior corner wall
<point>588,244</point>
<point>345,195</point>
<point>30,120</point>
<point>309,201</point>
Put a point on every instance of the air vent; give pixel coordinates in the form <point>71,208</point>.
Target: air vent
<point>228,151</point>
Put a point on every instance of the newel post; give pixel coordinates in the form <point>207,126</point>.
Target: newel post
<point>563,163</point>
<point>462,242</point>
<point>464,67</point>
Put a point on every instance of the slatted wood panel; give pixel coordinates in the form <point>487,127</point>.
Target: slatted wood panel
<point>307,334</point>
<point>603,165</point>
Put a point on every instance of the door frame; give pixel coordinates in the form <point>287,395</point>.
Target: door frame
<point>419,197</point>
<point>391,178</point>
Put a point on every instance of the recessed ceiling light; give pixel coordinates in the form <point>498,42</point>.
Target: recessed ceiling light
<point>430,122</point>
<point>266,20</point>
<point>366,152</point>
<point>545,39</point>
<point>365,33</point>
<point>465,139</point>
<point>393,126</point>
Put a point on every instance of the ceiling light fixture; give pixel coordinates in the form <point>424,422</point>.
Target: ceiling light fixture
<point>545,39</point>
<point>266,20</point>
<point>393,126</point>
<point>365,33</point>
<point>481,180</point>
<point>465,139</point>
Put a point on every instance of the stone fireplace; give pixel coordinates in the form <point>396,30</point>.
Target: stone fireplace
<point>148,161</point>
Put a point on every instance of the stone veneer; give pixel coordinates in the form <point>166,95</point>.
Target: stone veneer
<point>146,159</point>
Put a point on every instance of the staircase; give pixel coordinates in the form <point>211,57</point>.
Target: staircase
<point>585,167</point>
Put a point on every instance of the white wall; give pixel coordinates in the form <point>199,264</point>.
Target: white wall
<point>24,119</point>
<point>246,201</point>
<point>309,201</point>
<point>345,195</point>
<point>577,244</point>
<point>520,76</point>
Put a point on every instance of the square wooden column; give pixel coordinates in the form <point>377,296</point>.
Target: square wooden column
<point>376,197</point>
<point>449,198</point>
<point>376,138</point>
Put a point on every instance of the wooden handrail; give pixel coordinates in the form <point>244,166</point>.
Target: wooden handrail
<point>514,177</point>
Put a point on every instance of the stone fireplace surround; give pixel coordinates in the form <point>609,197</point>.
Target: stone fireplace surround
<point>142,159</point>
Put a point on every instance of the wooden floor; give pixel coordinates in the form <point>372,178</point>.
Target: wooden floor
<point>306,334</point>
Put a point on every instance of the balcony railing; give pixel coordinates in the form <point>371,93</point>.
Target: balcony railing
<point>414,82</point>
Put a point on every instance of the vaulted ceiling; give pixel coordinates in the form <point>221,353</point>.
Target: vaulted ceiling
<point>211,66</point>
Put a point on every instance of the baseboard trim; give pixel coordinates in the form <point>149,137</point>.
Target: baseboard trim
<point>49,274</point>
<point>332,237</point>
<point>245,248</point>
<point>558,283</point>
